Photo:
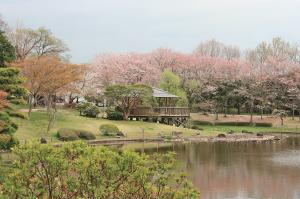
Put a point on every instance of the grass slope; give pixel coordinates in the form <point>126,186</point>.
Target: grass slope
<point>37,124</point>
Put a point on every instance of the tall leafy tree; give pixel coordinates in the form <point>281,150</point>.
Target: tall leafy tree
<point>39,42</point>
<point>171,82</point>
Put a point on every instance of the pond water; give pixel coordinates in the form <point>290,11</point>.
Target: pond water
<point>241,170</point>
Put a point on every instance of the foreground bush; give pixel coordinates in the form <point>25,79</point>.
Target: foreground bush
<point>109,129</point>
<point>7,141</point>
<point>76,170</point>
<point>66,134</point>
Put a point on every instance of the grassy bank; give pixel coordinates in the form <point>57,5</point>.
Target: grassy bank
<point>37,124</point>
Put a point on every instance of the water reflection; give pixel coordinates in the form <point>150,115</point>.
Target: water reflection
<point>244,170</point>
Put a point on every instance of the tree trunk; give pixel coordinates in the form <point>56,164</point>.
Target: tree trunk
<point>281,118</point>
<point>261,112</point>
<point>51,110</point>
<point>293,112</point>
<point>126,115</point>
<point>30,101</point>
<point>217,115</point>
<point>239,109</point>
<point>251,114</point>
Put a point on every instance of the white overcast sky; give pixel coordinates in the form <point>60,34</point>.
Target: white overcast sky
<point>90,27</point>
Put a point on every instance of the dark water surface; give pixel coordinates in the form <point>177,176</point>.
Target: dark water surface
<point>241,170</point>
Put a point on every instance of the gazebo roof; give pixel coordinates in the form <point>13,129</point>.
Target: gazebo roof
<point>157,92</point>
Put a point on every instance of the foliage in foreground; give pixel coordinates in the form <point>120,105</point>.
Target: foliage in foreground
<point>77,170</point>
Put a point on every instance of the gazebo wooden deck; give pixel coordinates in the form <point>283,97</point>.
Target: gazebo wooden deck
<point>166,112</point>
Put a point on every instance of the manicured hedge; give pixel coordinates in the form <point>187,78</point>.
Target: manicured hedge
<point>264,124</point>
<point>66,134</point>
<point>232,123</point>
<point>86,135</point>
<point>109,129</point>
<point>200,122</point>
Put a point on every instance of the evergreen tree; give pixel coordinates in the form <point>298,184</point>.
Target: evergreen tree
<point>11,91</point>
<point>7,51</point>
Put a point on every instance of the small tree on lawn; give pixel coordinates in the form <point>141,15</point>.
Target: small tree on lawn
<point>280,113</point>
<point>128,97</point>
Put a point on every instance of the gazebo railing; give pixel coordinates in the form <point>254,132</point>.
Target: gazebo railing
<point>161,111</point>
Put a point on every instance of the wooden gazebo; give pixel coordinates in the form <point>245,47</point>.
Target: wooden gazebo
<point>165,112</point>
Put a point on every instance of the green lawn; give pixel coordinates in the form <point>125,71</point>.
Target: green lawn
<point>37,124</point>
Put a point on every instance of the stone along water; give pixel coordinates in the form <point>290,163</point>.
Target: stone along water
<point>241,170</point>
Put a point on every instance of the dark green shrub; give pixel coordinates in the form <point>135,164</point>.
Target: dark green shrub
<point>65,134</point>
<point>86,135</point>
<point>199,122</point>
<point>114,114</point>
<point>88,109</point>
<point>7,141</point>
<point>109,129</point>
<point>263,124</point>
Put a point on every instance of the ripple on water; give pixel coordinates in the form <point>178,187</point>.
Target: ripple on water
<point>287,158</point>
